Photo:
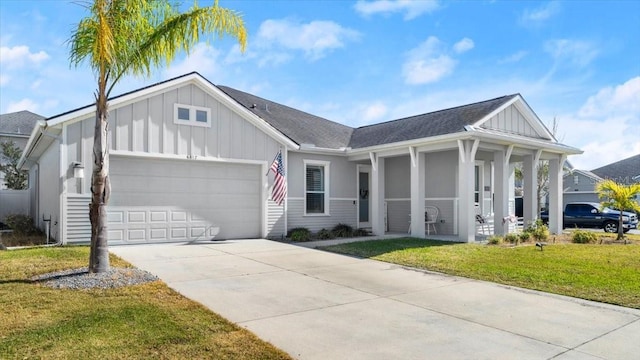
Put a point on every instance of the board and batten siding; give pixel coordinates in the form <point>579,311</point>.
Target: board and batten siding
<point>147,127</point>
<point>510,120</point>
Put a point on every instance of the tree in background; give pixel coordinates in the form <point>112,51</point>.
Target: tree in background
<point>130,37</point>
<point>14,178</point>
<point>619,197</point>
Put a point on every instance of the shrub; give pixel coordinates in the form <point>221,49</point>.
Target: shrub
<point>494,240</point>
<point>299,234</point>
<point>524,236</point>
<point>21,224</point>
<point>324,234</point>
<point>537,230</point>
<point>342,230</point>
<point>512,238</point>
<point>584,237</point>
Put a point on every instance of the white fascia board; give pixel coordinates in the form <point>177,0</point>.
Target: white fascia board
<point>355,154</point>
<point>35,133</point>
<point>528,113</point>
<point>525,142</point>
<point>192,78</point>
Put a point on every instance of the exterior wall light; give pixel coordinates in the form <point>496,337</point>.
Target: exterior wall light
<point>78,170</point>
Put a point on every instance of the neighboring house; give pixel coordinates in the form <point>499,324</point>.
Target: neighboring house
<point>580,185</point>
<point>189,159</point>
<point>16,127</point>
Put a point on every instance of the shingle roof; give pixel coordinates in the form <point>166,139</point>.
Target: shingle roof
<point>299,126</point>
<point>622,171</point>
<point>18,123</point>
<point>426,125</point>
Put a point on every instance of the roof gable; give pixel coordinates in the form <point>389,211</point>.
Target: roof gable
<point>515,117</point>
<point>626,171</point>
<point>19,123</point>
<point>436,123</point>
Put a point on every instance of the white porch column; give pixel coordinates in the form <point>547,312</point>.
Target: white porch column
<point>555,195</point>
<point>466,181</point>
<point>501,192</point>
<point>377,194</point>
<point>417,193</point>
<point>529,189</point>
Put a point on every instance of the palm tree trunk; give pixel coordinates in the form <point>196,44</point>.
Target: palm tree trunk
<point>100,189</point>
<point>620,229</point>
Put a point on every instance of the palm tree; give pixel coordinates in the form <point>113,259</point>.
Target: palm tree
<point>130,37</point>
<point>620,197</point>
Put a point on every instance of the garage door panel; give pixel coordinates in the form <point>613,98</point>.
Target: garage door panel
<point>161,201</point>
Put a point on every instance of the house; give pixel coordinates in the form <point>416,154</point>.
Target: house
<point>580,185</point>
<point>16,127</point>
<point>188,161</point>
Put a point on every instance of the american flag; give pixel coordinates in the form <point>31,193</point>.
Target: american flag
<point>280,182</point>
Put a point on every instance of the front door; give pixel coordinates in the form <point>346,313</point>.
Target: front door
<point>364,208</point>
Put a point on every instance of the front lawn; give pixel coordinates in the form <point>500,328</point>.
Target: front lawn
<point>135,322</point>
<point>606,273</point>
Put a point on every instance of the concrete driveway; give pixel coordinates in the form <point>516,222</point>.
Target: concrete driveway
<point>318,305</point>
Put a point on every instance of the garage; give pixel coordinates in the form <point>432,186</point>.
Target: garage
<point>158,200</point>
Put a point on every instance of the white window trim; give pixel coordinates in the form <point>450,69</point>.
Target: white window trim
<point>192,115</point>
<point>327,186</point>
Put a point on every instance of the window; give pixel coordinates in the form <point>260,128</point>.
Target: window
<point>316,179</point>
<point>192,115</point>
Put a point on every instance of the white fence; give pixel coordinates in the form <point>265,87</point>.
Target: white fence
<point>13,202</point>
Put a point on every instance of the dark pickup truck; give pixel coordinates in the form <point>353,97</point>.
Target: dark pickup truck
<point>590,215</point>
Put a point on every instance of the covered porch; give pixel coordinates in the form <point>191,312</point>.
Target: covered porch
<point>465,177</point>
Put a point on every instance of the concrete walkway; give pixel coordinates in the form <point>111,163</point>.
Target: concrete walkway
<point>318,305</point>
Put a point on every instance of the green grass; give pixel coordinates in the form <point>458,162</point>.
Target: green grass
<point>135,322</point>
<point>605,273</point>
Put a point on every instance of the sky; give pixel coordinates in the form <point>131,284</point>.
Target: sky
<point>363,62</point>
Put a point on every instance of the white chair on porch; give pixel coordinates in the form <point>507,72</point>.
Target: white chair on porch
<point>431,218</point>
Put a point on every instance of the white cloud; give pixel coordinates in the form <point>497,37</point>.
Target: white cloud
<point>19,56</point>
<point>373,112</point>
<point>571,52</point>
<point>513,58</point>
<point>536,17</point>
<point>622,100</point>
<point>315,38</point>
<point>24,104</point>
<point>463,45</point>
<point>427,63</point>
<point>203,59</point>
<point>605,127</point>
<point>411,8</point>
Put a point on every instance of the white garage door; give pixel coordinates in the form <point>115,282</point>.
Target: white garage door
<point>156,200</point>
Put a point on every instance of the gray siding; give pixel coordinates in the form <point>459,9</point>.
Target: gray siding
<point>49,190</point>
<point>342,211</point>
<point>343,175</point>
<point>585,183</point>
<point>510,120</point>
